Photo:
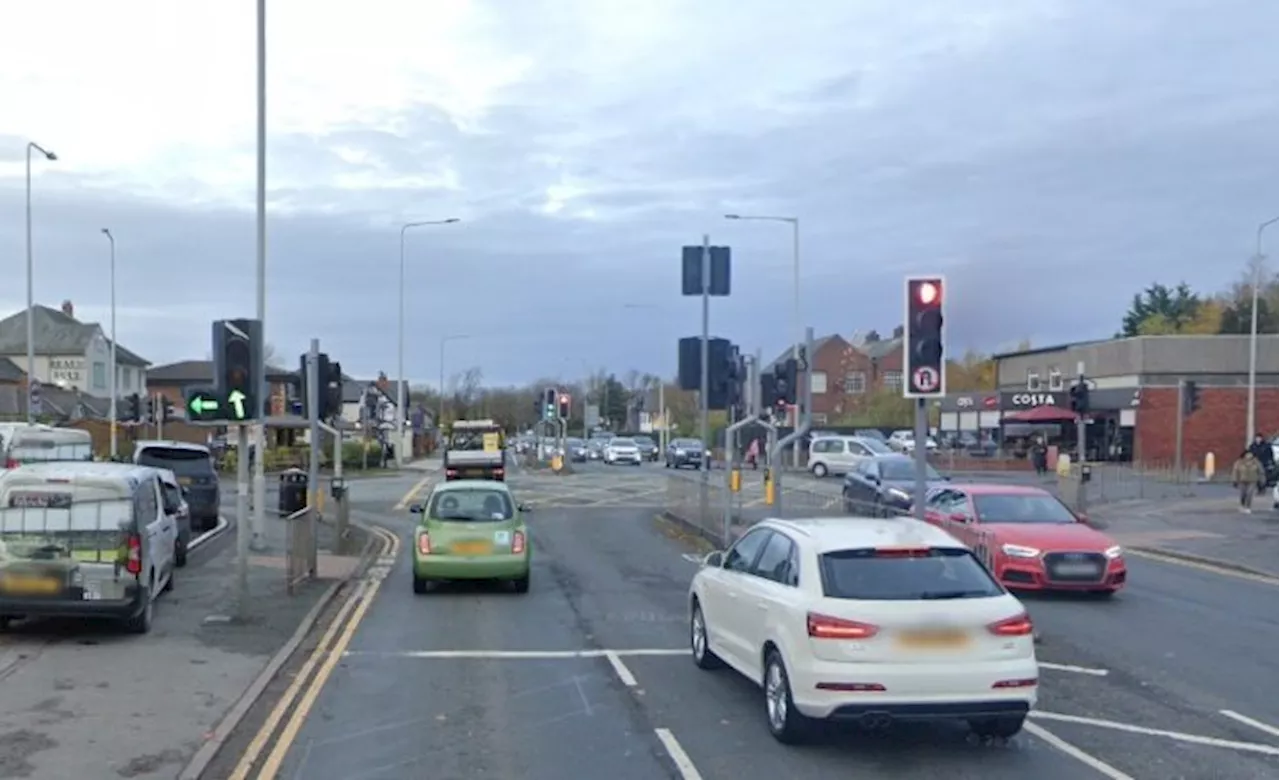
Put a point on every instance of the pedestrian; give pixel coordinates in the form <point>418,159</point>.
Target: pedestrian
<point>1245,475</point>
<point>753,454</point>
<point>1039,456</point>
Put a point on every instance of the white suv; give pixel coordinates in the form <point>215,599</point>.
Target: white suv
<point>868,621</point>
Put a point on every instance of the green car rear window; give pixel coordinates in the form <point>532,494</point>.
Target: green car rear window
<point>473,505</point>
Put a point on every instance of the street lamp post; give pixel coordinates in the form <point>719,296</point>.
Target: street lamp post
<point>796,325</point>
<point>401,394</point>
<point>115,371</point>
<point>31,302</point>
<point>445,340</point>
<point>1258,257</point>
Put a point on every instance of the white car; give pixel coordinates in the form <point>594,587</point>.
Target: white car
<point>871,621</point>
<point>622,450</point>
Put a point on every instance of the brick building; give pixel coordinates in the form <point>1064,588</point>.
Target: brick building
<point>845,371</point>
<point>174,379</point>
<point>1134,394</point>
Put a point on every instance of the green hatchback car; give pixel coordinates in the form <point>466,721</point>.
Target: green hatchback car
<point>471,529</point>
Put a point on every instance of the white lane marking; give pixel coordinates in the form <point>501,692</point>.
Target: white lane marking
<point>684,764</point>
<point>1207,567</point>
<point>209,535</point>
<point>1248,721</point>
<point>692,558</point>
<point>1178,736</point>
<point>620,669</point>
<point>516,655</point>
<point>1093,762</point>
<point>1074,669</point>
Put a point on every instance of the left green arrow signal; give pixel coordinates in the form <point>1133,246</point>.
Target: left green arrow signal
<point>201,405</point>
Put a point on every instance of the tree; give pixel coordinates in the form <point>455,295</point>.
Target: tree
<point>465,393</point>
<point>612,397</point>
<point>1237,305</point>
<point>1172,309</point>
<point>883,409</point>
<point>972,372</point>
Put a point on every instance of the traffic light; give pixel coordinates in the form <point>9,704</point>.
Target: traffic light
<point>1079,397</point>
<point>322,387</point>
<point>549,404</point>
<point>333,390</point>
<point>237,353</point>
<point>133,408</point>
<point>564,406</point>
<point>786,376</point>
<point>768,390</point>
<point>166,409</point>
<point>1190,398</point>
<point>923,344</point>
<point>149,409</point>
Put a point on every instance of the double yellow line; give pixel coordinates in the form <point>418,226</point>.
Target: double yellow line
<point>280,730</point>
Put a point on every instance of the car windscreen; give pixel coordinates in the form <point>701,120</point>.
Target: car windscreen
<point>573,442</point>
<point>1012,508</point>
<point>686,443</point>
<point>644,440</point>
<point>901,575</point>
<point>875,446</point>
<point>472,440</point>
<point>471,505</point>
<point>622,443</point>
<point>181,461</point>
<point>904,470</point>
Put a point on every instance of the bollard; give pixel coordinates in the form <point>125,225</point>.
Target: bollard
<point>735,480</point>
<point>768,487</point>
<point>338,489</point>
<point>1210,466</point>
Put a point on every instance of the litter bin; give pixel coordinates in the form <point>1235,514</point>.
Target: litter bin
<point>293,491</point>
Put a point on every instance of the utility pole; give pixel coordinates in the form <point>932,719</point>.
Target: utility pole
<point>1082,448</point>
<point>264,392</point>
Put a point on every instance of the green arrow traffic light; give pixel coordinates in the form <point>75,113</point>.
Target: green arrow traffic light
<point>201,404</point>
<point>236,399</point>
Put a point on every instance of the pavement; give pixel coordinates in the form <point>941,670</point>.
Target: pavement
<point>85,700</point>
<point>587,675</point>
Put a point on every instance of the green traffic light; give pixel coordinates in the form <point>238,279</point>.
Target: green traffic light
<point>237,399</point>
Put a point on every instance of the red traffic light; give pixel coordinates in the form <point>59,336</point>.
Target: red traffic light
<point>564,399</point>
<point>929,293</point>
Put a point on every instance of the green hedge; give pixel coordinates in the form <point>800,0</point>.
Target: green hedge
<point>354,455</point>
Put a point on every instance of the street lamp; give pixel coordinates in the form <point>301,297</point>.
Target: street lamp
<point>1258,257</point>
<point>401,398</point>
<point>115,387</point>
<point>445,340</point>
<point>31,302</point>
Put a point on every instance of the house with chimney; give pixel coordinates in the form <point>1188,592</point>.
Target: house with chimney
<point>847,370</point>
<point>72,364</point>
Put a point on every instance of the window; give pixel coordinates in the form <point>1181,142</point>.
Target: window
<point>824,446</point>
<point>126,378</point>
<point>1024,508</point>
<point>745,552</point>
<point>100,375</point>
<point>1033,380</point>
<point>471,505</point>
<point>892,575</point>
<point>182,461</point>
<point>856,449</point>
<point>819,418</point>
<point>904,470</point>
<point>819,380</point>
<point>855,383</point>
<point>1055,379</point>
<point>145,503</point>
<point>775,560</point>
<point>893,380</point>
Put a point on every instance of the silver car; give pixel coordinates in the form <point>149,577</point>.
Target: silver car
<point>622,450</point>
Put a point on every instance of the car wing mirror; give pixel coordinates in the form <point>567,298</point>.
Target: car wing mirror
<point>417,509</point>
<point>958,517</point>
<point>714,559</point>
<point>525,508</point>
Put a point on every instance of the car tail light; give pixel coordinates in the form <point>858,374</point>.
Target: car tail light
<point>10,463</point>
<point>133,562</point>
<point>517,542</point>
<point>902,552</point>
<point>424,543</point>
<point>827,627</point>
<point>851,687</point>
<point>499,472</point>
<point>1018,625</point>
<point>1029,682</point>
<point>450,473</point>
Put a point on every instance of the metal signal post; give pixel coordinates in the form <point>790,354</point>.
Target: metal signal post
<point>924,363</point>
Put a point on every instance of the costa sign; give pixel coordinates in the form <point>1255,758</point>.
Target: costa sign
<point>1033,399</point>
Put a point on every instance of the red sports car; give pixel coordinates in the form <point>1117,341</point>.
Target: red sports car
<point>1028,538</point>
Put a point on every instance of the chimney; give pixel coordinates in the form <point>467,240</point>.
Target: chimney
<point>898,331</point>
<point>872,336</point>
<point>68,309</point>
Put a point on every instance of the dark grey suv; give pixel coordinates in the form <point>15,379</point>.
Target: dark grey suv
<point>684,452</point>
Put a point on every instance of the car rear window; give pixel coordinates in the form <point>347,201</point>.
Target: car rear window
<point>471,505</point>
<point>898,575</point>
<point>179,460</point>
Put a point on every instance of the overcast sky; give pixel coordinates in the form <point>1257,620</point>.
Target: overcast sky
<point>1050,156</point>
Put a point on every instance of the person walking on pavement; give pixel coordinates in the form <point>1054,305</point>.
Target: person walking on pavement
<point>753,454</point>
<point>1039,456</point>
<point>1265,453</point>
<point>1245,475</point>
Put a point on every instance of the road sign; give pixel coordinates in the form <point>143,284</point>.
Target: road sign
<point>925,380</point>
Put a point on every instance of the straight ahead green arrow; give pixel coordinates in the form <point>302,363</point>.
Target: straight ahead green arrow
<point>236,399</point>
<point>200,405</point>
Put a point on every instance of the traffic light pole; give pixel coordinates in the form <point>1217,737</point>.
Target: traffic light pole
<point>1082,450</point>
<point>704,385</point>
<point>921,455</point>
<point>243,531</point>
<point>802,423</point>
<point>1177,429</point>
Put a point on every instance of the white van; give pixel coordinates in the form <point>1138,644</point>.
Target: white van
<point>36,443</point>
<point>831,453</point>
<point>86,540</point>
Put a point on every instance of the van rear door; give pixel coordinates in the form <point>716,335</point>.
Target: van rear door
<point>61,539</point>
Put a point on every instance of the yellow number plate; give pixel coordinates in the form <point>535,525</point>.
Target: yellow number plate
<point>184,480</point>
<point>472,548</point>
<point>20,585</point>
<point>933,640</point>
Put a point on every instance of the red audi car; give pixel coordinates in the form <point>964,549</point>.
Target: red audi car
<point>1028,538</point>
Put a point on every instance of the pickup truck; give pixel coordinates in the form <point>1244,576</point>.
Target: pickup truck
<point>476,449</point>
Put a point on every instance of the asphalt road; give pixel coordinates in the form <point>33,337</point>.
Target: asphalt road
<point>588,676</point>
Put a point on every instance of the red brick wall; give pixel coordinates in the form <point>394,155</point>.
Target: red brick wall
<point>837,358</point>
<point>1217,427</point>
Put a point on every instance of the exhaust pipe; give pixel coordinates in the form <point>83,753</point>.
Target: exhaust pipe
<point>876,721</point>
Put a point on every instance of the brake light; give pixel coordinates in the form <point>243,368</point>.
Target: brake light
<point>10,463</point>
<point>499,472</point>
<point>424,543</point>
<point>1028,682</point>
<point>827,627</point>
<point>450,473</point>
<point>133,563</point>
<point>1018,625</point>
<point>902,552</point>
<point>517,542</point>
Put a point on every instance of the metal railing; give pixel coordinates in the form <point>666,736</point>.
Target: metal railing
<point>301,550</point>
